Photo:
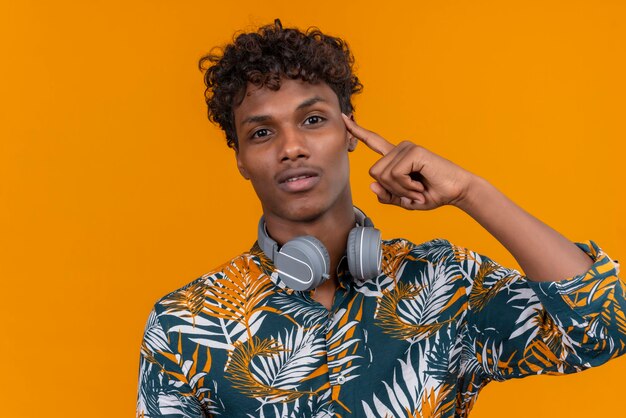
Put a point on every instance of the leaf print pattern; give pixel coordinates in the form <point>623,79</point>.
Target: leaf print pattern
<point>390,320</point>
<point>282,365</point>
<point>434,404</point>
<point>237,296</point>
<point>189,300</point>
<point>416,311</point>
<point>420,340</point>
<point>394,255</point>
<point>343,344</point>
<point>298,308</point>
<point>482,294</point>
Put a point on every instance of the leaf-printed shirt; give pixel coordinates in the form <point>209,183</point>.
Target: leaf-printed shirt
<point>419,340</point>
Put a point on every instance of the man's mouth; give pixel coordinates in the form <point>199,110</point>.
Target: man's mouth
<point>289,180</point>
<point>298,180</point>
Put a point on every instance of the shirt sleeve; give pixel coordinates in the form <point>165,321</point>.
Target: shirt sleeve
<point>163,387</point>
<point>517,327</point>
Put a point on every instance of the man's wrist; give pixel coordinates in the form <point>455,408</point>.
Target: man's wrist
<point>474,194</point>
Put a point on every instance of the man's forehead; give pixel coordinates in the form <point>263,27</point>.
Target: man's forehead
<point>263,103</point>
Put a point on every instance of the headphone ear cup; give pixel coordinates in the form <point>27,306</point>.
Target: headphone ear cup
<point>303,263</point>
<point>364,253</point>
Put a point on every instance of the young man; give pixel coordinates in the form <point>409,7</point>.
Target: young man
<point>321,318</point>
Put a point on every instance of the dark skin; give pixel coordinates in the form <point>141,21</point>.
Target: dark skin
<point>294,145</point>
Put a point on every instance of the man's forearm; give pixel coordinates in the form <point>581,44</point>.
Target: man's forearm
<point>543,253</point>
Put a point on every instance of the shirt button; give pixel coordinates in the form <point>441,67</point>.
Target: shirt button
<point>341,380</point>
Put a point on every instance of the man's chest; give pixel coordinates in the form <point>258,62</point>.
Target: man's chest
<point>290,356</point>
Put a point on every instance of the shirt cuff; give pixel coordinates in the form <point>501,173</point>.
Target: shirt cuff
<point>578,300</point>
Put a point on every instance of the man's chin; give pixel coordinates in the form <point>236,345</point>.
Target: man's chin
<point>303,211</point>
<point>304,214</point>
<point>307,211</point>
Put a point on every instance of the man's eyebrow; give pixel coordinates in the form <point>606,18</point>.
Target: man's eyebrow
<point>265,118</point>
<point>256,119</point>
<point>310,102</point>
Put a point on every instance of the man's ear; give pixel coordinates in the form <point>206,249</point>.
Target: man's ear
<point>352,140</point>
<point>241,168</point>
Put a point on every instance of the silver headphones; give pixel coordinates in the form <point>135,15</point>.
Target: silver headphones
<point>303,263</point>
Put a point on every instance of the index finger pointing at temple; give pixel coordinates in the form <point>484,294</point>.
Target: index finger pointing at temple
<point>373,141</point>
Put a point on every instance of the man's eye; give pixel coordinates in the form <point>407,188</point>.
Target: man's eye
<point>312,120</point>
<point>261,133</point>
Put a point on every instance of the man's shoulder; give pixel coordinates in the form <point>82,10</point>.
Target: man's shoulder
<point>193,292</point>
<point>403,259</point>
<point>401,248</point>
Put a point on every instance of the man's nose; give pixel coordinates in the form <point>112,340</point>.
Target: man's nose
<point>294,145</point>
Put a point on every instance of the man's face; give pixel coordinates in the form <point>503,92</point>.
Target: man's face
<point>293,147</point>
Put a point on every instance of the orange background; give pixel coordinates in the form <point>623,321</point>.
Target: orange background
<point>115,189</point>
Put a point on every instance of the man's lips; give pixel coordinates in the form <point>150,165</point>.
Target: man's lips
<point>298,179</point>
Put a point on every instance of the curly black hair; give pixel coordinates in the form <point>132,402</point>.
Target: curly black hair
<point>263,58</point>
